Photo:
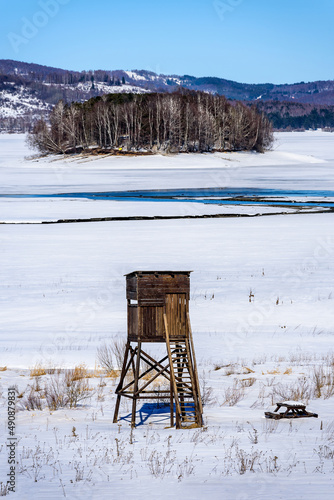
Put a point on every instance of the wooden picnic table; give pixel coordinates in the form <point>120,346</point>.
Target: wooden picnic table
<point>292,410</point>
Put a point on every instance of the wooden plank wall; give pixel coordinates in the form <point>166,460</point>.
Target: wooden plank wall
<point>176,311</point>
<point>153,292</point>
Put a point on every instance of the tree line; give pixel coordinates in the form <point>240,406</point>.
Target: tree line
<point>316,118</point>
<point>184,121</point>
<point>298,115</point>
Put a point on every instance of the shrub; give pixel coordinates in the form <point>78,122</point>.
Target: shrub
<point>32,401</point>
<point>105,357</point>
<point>233,395</point>
<point>55,393</point>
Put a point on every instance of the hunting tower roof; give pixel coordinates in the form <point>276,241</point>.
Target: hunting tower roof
<point>134,273</point>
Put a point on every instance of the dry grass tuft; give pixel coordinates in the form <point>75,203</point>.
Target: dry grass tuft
<point>37,371</point>
<point>247,370</point>
<point>236,369</point>
<point>275,371</point>
<point>77,373</point>
<point>3,368</point>
<point>247,382</point>
<point>114,374</point>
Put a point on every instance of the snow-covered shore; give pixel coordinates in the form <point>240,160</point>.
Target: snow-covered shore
<point>303,158</point>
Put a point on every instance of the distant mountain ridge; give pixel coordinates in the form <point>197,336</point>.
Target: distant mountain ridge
<point>29,90</point>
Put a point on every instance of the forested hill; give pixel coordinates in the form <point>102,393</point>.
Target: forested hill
<point>28,92</point>
<point>318,92</point>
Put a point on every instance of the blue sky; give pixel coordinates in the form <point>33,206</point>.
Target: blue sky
<point>249,41</point>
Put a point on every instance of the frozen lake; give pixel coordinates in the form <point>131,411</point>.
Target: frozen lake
<point>296,176</point>
<point>219,196</point>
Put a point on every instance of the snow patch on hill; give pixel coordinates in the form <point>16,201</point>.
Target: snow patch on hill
<point>109,89</point>
<point>19,102</point>
<point>134,76</point>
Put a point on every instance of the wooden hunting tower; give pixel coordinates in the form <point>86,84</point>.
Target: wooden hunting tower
<point>158,311</point>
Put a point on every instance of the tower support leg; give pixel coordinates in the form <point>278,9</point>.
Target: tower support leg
<point>135,388</point>
<point>120,385</point>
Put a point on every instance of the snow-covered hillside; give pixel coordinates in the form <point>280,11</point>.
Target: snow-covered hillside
<point>19,102</point>
<point>20,105</point>
<point>312,100</point>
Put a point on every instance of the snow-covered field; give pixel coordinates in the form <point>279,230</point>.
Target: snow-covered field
<point>262,314</point>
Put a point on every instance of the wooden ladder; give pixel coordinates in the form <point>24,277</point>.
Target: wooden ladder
<point>184,379</point>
